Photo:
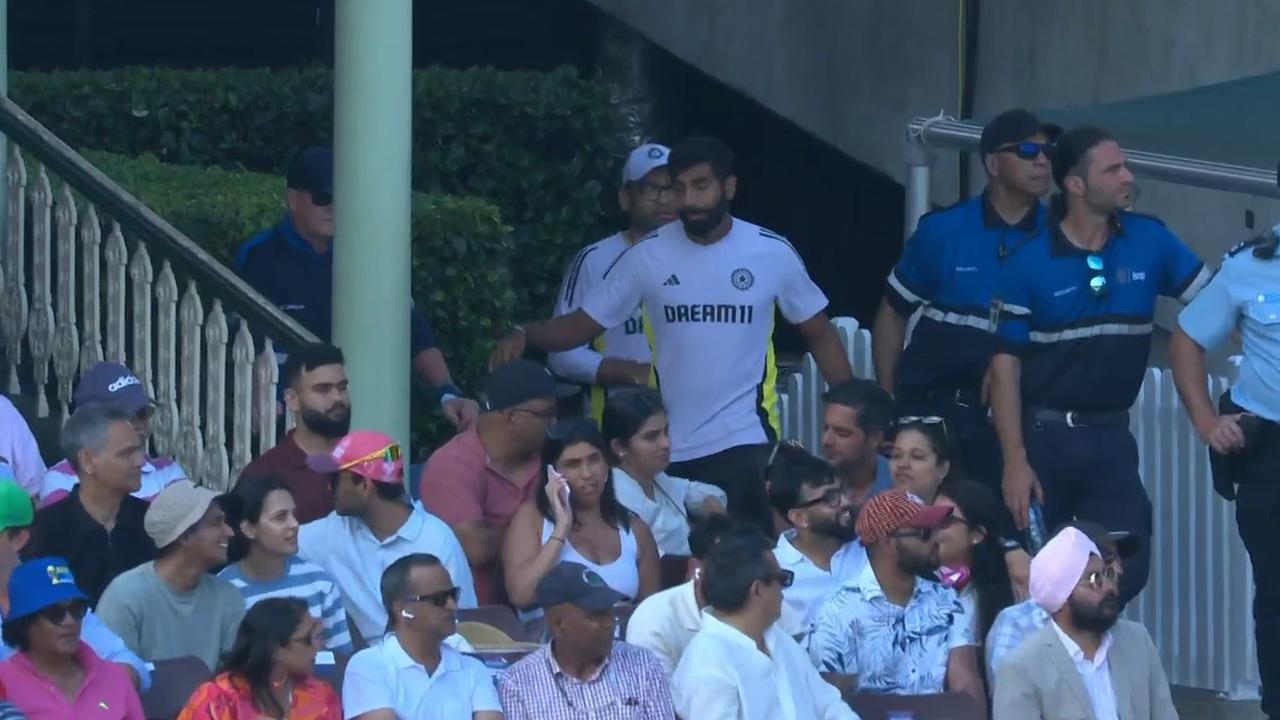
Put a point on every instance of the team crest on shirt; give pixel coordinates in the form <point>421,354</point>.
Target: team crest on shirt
<point>742,279</point>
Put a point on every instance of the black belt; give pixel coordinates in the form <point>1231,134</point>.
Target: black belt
<point>963,397</point>
<point>1074,419</point>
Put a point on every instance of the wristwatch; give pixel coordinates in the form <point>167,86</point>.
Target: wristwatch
<point>1009,545</point>
<point>448,393</point>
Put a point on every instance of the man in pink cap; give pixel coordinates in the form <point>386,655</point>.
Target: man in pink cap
<point>1086,662</point>
<point>373,525</point>
<point>890,630</point>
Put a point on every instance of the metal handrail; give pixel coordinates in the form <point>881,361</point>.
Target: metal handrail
<point>1185,171</point>
<point>139,221</point>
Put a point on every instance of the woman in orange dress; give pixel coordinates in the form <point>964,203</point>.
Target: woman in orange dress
<point>270,671</point>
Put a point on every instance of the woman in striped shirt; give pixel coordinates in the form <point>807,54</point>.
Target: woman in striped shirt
<point>264,562</point>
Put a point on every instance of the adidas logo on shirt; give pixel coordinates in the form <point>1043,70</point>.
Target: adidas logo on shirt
<point>671,281</point>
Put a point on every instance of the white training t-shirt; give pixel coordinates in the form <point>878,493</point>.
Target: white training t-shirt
<point>709,310</point>
<point>626,340</point>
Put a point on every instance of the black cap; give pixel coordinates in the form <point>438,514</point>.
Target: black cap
<point>312,171</point>
<point>1012,126</point>
<point>1123,542</point>
<point>517,382</point>
<point>571,582</point>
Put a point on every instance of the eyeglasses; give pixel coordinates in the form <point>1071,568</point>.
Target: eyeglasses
<point>1027,150</point>
<point>921,420</point>
<point>952,520</point>
<point>773,454</point>
<point>832,498</point>
<point>922,533</point>
<point>390,453</point>
<point>438,599</point>
<point>782,577</point>
<point>313,639</point>
<point>546,416</point>
<point>321,199</point>
<point>1099,579</point>
<point>57,614</point>
<point>566,429</point>
<point>1098,282</point>
<point>653,193</point>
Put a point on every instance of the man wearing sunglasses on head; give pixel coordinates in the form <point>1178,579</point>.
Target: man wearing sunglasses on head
<point>413,673</point>
<point>890,630</point>
<point>291,264</point>
<point>1086,662</point>
<point>1076,310</point>
<point>114,385</point>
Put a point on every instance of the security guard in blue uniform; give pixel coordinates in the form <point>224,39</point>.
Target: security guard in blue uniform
<point>949,268</point>
<point>291,265</point>
<point>1243,434</point>
<point>1076,312</point>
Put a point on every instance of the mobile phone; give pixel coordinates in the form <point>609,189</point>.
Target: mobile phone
<point>554,474</point>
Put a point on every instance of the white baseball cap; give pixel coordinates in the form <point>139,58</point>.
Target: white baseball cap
<point>644,159</point>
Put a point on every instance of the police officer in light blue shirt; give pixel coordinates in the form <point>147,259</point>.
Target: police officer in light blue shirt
<point>1243,434</point>
<point>1077,310</point>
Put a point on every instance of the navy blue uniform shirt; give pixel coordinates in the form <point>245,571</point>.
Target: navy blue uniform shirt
<point>288,271</point>
<point>1083,350</point>
<point>951,266</point>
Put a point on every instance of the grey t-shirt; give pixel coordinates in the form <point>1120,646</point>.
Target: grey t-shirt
<point>158,623</point>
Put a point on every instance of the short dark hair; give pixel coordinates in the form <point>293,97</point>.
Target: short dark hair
<point>87,429</point>
<point>1072,147</point>
<point>396,576</point>
<point>707,531</point>
<point>245,502</point>
<point>732,565</point>
<point>873,404</point>
<point>16,633</point>
<point>697,149</point>
<point>308,357</point>
<point>794,468</point>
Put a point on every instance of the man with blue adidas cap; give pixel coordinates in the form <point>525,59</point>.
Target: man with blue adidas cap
<point>620,355</point>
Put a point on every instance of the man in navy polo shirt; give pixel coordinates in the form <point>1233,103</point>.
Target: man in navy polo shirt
<point>1076,307</point>
<point>291,264</point>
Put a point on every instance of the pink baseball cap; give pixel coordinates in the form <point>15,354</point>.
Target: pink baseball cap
<point>367,453</point>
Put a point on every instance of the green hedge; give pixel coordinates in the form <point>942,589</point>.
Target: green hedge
<point>543,147</point>
<point>462,252</point>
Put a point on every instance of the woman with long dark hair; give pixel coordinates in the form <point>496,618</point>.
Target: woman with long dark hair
<point>270,670</point>
<point>576,517</point>
<point>973,561</point>
<point>264,556</point>
<point>635,430</point>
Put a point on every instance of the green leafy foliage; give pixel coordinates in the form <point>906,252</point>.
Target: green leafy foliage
<point>542,147</point>
<point>462,253</point>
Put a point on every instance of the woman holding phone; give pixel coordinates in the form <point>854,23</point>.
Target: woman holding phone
<point>576,517</point>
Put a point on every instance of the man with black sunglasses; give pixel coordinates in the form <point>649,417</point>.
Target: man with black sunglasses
<point>890,630</point>
<point>291,264</point>
<point>1077,311</point>
<point>413,673</point>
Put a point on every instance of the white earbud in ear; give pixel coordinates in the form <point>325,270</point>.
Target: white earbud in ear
<point>406,615</point>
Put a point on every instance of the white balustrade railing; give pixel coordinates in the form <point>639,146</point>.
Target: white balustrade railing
<point>215,390</point>
<point>1197,604</point>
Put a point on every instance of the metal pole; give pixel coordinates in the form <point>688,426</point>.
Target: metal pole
<point>1170,168</point>
<point>4,141</point>
<point>919,170</point>
<point>373,63</point>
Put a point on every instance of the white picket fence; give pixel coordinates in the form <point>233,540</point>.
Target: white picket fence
<point>1198,603</point>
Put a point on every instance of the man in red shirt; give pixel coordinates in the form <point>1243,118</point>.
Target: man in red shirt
<point>316,393</point>
<point>477,480</point>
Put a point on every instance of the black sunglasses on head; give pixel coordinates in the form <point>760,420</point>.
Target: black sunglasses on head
<point>1027,150</point>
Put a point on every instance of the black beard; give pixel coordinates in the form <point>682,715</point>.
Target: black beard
<point>700,227</point>
<point>833,529</point>
<point>920,567</point>
<point>1096,618</point>
<point>325,426</point>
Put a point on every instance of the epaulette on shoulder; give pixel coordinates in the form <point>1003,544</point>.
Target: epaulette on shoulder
<point>1263,246</point>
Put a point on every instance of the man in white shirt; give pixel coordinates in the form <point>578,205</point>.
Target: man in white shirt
<point>665,622</point>
<point>412,674</point>
<point>821,547</point>
<point>373,525</point>
<point>710,285</point>
<point>1086,662</point>
<point>741,665</point>
<point>620,356</point>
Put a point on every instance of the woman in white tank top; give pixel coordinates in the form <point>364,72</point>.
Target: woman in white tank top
<point>578,519</point>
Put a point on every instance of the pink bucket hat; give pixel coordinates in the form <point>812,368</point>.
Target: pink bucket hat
<point>1058,567</point>
<point>367,453</point>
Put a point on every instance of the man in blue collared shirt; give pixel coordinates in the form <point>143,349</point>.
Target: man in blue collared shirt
<point>1077,305</point>
<point>291,264</point>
